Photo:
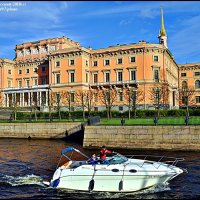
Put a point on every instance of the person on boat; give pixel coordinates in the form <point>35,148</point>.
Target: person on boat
<point>93,160</point>
<point>103,154</point>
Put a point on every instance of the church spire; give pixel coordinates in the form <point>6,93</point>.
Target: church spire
<point>162,35</point>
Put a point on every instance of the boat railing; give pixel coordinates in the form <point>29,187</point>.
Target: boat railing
<point>171,161</point>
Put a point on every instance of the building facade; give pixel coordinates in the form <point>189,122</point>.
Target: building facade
<point>189,79</point>
<point>63,67</point>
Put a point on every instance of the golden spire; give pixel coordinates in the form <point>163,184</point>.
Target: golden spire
<point>162,31</point>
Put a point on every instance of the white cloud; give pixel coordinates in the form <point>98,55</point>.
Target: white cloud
<point>125,22</point>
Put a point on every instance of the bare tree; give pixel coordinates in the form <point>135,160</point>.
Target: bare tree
<point>133,97</point>
<point>67,98</point>
<point>90,100</point>
<point>108,97</point>
<point>81,100</point>
<point>186,97</point>
<point>33,106</point>
<point>51,103</point>
<point>15,106</point>
<point>159,96</point>
<point>58,103</point>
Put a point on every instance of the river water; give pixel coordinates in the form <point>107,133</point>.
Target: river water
<point>25,164</point>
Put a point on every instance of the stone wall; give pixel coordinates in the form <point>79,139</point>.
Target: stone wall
<point>143,137</point>
<point>38,130</point>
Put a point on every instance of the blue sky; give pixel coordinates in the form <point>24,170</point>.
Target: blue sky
<point>100,24</point>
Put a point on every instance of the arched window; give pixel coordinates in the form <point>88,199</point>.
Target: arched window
<point>184,84</point>
<point>197,84</point>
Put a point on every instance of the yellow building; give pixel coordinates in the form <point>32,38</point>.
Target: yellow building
<point>61,66</point>
<point>189,77</point>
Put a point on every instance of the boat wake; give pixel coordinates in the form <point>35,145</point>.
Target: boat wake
<point>118,195</point>
<point>23,180</point>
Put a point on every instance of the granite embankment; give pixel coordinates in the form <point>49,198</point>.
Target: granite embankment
<point>130,137</point>
<point>38,130</point>
<point>143,137</point>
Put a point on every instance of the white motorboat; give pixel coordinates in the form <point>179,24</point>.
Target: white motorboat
<point>121,174</point>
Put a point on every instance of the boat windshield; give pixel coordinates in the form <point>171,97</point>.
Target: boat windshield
<point>117,159</point>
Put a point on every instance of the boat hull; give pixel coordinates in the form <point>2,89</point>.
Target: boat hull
<point>95,178</point>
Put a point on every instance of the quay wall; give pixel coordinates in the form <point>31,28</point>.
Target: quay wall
<point>143,137</point>
<point>38,130</point>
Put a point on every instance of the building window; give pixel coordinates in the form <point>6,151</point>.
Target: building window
<point>96,97</point>
<point>119,76</point>
<point>95,108</point>
<point>132,75</point>
<point>86,63</point>
<point>43,69</point>
<point>119,61</point>
<point>156,75</point>
<point>20,71</point>
<point>28,82</point>
<point>184,84</point>
<point>52,48</point>
<point>197,99</point>
<point>95,78</point>
<point>155,58</point>
<point>196,73</point>
<point>86,77</point>
<point>58,98</point>
<point>95,64</point>
<point>72,77</point>
<point>9,83</point>
<point>57,78</point>
<point>71,62</point>
<point>120,96</point>
<point>35,70</point>
<point>57,63</point>
<point>28,52</point>
<point>9,71</point>
<point>35,82</point>
<point>27,71</point>
<point>43,81</point>
<point>157,96</point>
<point>107,62</point>
<point>183,74</point>
<point>120,108</point>
<point>107,77</point>
<point>19,83</point>
<point>185,100</point>
<point>132,59</point>
<point>197,84</point>
<point>20,53</point>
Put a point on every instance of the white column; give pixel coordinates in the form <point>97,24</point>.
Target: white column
<point>40,99</point>
<point>22,99</point>
<point>46,98</point>
<point>29,99</point>
<point>13,99</point>
<point>6,100</point>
